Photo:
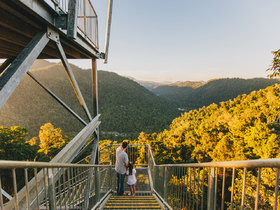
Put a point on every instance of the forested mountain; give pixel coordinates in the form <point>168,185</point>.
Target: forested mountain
<point>192,95</point>
<point>125,106</point>
<point>247,127</point>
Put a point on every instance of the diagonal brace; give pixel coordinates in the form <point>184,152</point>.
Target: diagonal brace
<point>6,64</point>
<point>16,71</point>
<point>72,79</point>
<point>56,98</point>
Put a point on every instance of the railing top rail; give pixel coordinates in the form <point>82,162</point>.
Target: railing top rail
<point>115,145</point>
<point>27,164</point>
<point>260,163</point>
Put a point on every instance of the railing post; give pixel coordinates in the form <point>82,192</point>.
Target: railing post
<point>211,184</point>
<point>97,184</point>
<point>109,156</point>
<point>165,184</point>
<point>154,176</point>
<point>111,176</point>
<point>52,198</point>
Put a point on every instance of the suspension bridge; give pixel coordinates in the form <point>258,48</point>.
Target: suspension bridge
<point>63,29</point>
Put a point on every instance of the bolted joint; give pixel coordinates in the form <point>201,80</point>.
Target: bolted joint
<point>102,55</point>
<point>52,35</point>
<point>61,21</point>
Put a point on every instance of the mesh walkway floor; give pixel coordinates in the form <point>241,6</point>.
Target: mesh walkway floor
<point>132,202</point>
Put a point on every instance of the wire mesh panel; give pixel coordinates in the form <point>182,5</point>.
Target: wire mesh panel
<point>137,154</point>
<point>52,186</point>
<point>87,22</point>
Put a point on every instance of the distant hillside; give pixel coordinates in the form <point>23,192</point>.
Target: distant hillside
<point>125,106</point>
<point>246,127</point>
<point>150,84</point>
<point>196,95</point>
<point>184,84</point>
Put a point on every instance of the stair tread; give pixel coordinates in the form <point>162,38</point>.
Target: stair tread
<point>132,202</point>
<point>129,207</point>
<point>142,203</point>
<point>143,197</point>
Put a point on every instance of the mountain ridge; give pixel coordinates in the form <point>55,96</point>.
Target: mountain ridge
<point>125,106</point>
<point>212,91</point>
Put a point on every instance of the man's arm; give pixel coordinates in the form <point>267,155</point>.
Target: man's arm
<point>126,160</point>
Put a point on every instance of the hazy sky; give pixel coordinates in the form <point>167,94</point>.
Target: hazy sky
<point>190,39</point>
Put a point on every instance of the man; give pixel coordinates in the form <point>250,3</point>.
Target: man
<point>121,164</point>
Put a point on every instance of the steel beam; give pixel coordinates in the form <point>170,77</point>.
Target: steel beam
<point>72,79</point>
<point>66,155</point>
<point>108,29</point>
<point>16,71</point>
<point>72,19</point>
<point>90,174</point>
<point>94,87</point>
<point>56,98</point>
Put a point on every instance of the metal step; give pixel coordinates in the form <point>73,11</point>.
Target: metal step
<point>132,202</point>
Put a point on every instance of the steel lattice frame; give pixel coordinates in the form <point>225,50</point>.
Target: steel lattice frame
<point>14,69</point>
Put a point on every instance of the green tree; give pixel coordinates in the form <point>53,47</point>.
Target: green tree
<point>13,145</point>
<point>275,66</point>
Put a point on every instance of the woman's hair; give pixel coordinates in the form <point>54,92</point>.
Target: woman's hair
<point>130,167</point>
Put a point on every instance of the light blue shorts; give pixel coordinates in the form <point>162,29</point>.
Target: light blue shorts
<point>132,186</point>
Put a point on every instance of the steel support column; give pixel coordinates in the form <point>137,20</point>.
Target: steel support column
<point>90,173</point>
<point>108,29</point>
<point>72,19</point>
<point>16,71</point>
<point>94,87</point>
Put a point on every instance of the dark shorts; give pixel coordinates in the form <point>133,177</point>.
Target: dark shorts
<point>131,186</point>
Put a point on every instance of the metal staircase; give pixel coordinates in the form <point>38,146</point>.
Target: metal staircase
<point>214,185</point>
<point>132,202</point>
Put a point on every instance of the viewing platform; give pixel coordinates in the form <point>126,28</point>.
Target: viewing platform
<point>22,20</point>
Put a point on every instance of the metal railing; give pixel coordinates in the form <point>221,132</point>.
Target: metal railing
<point>87,18</point>
<point>137,153</point>
<point>250,184</point>
<point>65,186</point>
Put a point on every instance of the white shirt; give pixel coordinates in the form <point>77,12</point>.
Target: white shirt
<point>121,160</point>
<point>118,149</point>
<point>131,179</point>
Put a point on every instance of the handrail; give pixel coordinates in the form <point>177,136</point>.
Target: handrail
<point>178,186</point>
<point>195,185</point>
<point>54,184</point>
<point>259,163</point>
<point>26,164</point>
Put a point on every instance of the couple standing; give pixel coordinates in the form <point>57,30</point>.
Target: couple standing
<point>123,168</point>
